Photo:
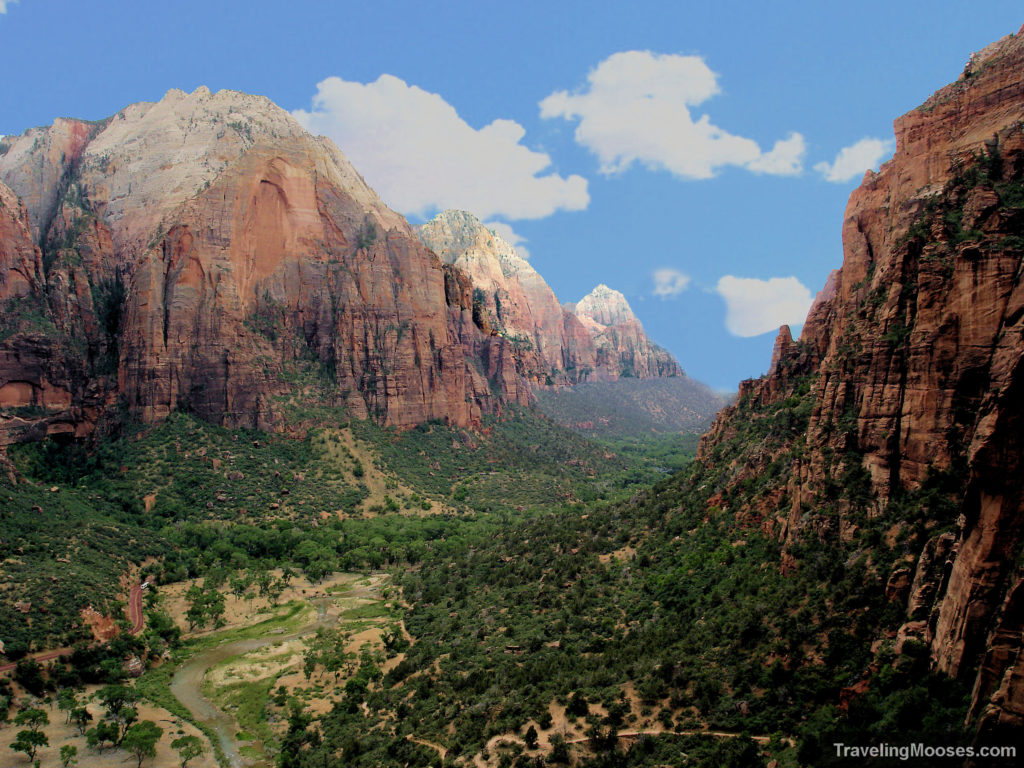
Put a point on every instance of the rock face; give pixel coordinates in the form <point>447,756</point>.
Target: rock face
<point>621,345</point>
<point>182,254</point>
<point>604,306</point>
<point>913,357</point>
<point>597,339</point>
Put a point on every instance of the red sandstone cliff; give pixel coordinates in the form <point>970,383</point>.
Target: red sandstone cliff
<point>188,250</point>
<point>597,339</point>
<point>914,356</point>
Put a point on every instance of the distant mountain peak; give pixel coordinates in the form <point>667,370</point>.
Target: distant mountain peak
<point>597,339</point>
<point>605,306</point>
<point>453,234</point>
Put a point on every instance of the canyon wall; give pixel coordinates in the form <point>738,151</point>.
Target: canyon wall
<point>910,363</point>
<point>183,254</point>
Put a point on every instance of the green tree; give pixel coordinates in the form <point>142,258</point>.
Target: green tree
<point>263,579</point>
<point>204,604</point>
<point>29,674</point>
<point>31,738</point>
<point>531,737</point>
<point>68,755</point>
<point>239,585</point>
<point>274,591</point>
<point>297,737</point>
<point>188,747</point>
<point>559,749</point>
<point>66,702</point>
<point>35,719</point>
<point>118,699</point>
<point>29,742</point>
<point>215,607</point>
<point>101,733</point>
<point>196,611</point>
<point>141,738</point>
<point>81,717</point>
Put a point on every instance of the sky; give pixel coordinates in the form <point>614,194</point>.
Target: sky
<point>695,156</point>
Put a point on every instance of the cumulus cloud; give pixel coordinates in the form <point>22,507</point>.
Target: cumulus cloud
<point>635,108</point>
<point>669,283</point>
<point>784,159</point>
<point>5,3</point>
<point>852,161</point>
<point>753,307</point>
<point>514,239</point>
<point>420,156</point>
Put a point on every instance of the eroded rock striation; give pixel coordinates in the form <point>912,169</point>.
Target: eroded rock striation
<point>597,339</point>
<point>182,254</point>
<point>911,368</point>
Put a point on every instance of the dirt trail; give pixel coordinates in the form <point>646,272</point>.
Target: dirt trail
<point>694,732</point>
<point>135,617</point>
<point>511,738</point>
<point>442,751</point>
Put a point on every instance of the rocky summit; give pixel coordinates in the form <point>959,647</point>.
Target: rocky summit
<point>598,339</point>
<point>182,254</point>
<point>910,371</point>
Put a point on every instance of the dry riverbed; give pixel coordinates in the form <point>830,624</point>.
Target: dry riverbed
<point>237,680</point>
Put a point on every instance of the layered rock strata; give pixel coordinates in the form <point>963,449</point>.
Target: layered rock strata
<point>598,339</point>
<point>914,356</point>
<point>182,253</point>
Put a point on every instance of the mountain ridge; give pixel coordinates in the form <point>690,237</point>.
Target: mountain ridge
<point>907,379</point>
<point>556,344</point>
<point>191,247</point>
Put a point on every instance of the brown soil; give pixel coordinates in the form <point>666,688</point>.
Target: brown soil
<point>103,627</point>
<point>60,734</point>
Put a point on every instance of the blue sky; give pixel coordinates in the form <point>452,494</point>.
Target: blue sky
<point>676,151</point>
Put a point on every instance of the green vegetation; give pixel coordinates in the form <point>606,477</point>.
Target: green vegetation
<point>62,549</point>
<point>140,739</point>
<point>188,749</point>
<point>30,738</point>
<point>25,315</point>
<point>517,460</point>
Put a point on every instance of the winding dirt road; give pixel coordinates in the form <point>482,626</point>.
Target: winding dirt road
<point>135,617</point>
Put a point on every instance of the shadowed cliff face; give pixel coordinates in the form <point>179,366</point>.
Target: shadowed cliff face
<point>180,254</point>
<point>912,356</point>
<point>597,339</point>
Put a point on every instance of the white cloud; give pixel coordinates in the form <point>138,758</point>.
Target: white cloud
<point>636,109</point>
<point>669,283</point>
<point>756,306</point>
<point>853,161</point>
<point>514,239</point>
<point>785,158</point>
<point>420,156</point>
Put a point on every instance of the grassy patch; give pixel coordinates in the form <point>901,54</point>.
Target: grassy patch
<point>155,686</point>
<point>370,611</point>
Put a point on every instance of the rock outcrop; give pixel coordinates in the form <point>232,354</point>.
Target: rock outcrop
<point>913,363</point>
<point>597,339</point>
<point>182,254</point>
<point>621,346</point>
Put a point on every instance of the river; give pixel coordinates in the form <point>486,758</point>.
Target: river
<point>187,682</point>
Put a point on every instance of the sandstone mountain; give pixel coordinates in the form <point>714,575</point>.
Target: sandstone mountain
<point>599,339</point>
<point>620,343</point>
<point>901,407</point>
<point>183,254</point>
